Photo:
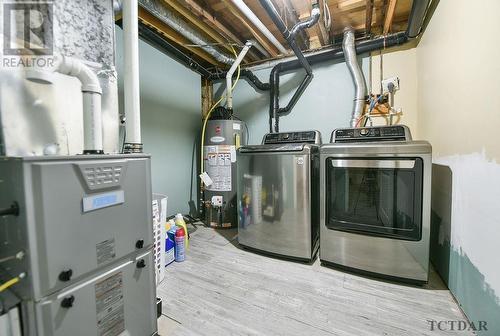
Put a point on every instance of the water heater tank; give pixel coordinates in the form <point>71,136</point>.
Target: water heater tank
<point>222,139</point>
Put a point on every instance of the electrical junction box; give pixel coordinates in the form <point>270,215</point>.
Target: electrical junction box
<point>386,82</point>
<point>85,227</point>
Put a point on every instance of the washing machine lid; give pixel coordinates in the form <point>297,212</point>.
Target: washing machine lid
<point>296,137</point>
<point>301,141</point>
<point>275,148</point>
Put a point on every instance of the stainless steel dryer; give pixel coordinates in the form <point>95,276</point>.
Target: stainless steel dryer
<point>278,195</point>
<point>375,202</point>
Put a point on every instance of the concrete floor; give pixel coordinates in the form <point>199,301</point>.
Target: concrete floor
<point>222,289</point>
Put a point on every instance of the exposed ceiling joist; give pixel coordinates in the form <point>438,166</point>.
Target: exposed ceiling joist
<point>389,16</point>
<point>221,24</point>
<point>204,16</point>
<point>368,17</point>
<point>153,22</point>
<point>320,27</point>
<point>256,34</point>
<point>194,20</point>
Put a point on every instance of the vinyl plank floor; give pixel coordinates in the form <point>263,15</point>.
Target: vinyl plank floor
<point>222,289</point>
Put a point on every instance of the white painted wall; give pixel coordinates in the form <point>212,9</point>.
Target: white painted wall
<point>458,89</point>
<point>402,63</point>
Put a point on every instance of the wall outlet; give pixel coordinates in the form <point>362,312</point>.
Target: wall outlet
<point>217,200</point>
<point>387,81</point>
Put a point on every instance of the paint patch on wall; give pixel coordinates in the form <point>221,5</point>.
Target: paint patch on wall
<point>465,233</point>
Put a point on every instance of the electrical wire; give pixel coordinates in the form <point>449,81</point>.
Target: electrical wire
<point>9,283</point>
<point>208,117</point>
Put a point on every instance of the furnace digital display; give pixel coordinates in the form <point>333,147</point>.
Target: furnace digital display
<point>103,200</point>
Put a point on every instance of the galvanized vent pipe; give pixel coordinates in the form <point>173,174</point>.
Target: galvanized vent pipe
<point>180,26</point>
<point>349,48</point>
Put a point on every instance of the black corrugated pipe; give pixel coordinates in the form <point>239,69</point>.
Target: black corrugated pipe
<point>157,41</point>
<point>289,35</point>
<point>415,22</point>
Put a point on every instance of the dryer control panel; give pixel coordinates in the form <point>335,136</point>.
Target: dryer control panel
<point>381,133</point>
<point>313,137</point>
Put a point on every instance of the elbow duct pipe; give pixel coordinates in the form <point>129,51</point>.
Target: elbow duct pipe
<point>348,46</point>
<point>133,142</point>
<point>91,91</point>
<point>274,108</point>
<point>260,26</point>
<point>229,75</point>
<point>91,94</point>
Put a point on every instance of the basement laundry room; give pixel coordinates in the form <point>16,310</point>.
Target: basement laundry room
<point>249,167</point>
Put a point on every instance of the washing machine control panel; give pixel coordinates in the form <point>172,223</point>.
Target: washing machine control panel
<point>382,133</point>
<point>292,137</point>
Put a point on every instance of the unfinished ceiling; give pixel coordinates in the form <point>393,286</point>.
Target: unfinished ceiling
<point>221,25</point>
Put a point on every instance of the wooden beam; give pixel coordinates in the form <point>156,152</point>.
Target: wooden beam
<point>153,22</point>
<point>207,95</point>
<point>212,21</point>
<point>389,16</point>
<point>320,26</point>
<point>195,21</point>
<point>368,16</point>
<point>259,37</point>
<point>348,5</point>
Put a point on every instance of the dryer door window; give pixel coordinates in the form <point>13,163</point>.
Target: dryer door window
<point>381,197</point>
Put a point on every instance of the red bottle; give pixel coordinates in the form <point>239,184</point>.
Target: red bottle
<point>180,248</point>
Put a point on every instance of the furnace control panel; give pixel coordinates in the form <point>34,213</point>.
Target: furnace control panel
<point>382,133</point>
<point>292,137</point>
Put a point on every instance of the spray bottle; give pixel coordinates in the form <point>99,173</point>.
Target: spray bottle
<point>179,222</point>
<point>180,250</point>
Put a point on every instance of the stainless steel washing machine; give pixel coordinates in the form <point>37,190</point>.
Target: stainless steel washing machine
<point>278,195</point>
<point>375,202</point>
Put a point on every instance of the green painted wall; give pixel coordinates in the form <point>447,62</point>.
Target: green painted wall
<point>325,105</point>
<point>170,122</point>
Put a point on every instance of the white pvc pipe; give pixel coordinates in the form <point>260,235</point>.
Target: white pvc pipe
<point>131,72</point>
<point>91,91</point>
<point>260,26</point>
<point>92,122</point>
<point>229,75</point>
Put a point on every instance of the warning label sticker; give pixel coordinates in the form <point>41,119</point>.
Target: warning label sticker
<point>105,251</point>
<point>218,166</point>
<point>109,306</point>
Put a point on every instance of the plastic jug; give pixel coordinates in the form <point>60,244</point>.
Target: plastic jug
<point>179,222</point>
